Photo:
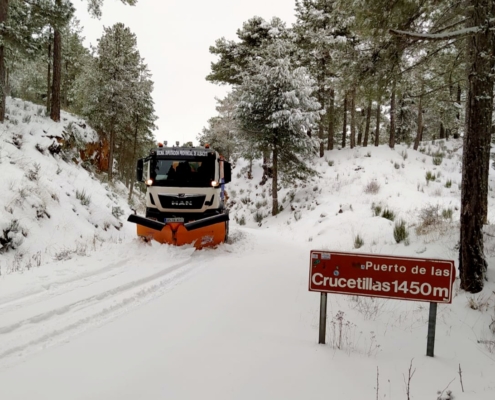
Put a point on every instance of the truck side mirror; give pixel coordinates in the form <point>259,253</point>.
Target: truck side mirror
<point>227,173</point>
<point>139,170</point>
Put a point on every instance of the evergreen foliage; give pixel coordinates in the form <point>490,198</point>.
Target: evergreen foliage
<point>223,133</point>
<point>119,100</point>
<point>94,6</point>
<point>276,109</point>
<point>235,57</point>
<point>324,40</point>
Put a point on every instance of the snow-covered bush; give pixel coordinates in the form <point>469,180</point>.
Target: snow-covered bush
<point>372,187</point>
<point>401,233</point>
<point>388,214</point>
<point>11,236</point>
<point>358,242</point>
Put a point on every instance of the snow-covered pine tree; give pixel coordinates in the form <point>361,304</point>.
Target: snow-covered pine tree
<point>222,132</point>
<point>74,56</point>
<point>390,63</point>
<point>94,6</point>
<point>324,40</point>
<point>276,109</point>
<point>63,9</point>
<point>235,57</point>
<point>139,135</point>
<point>60,14</point>
<point>20,38</point>
<point>478,16</point>
<point>112,98</point>
<point>31,73</point>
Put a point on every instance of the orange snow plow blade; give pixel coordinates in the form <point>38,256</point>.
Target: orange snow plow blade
<point>206,232</point>
<point>163,236</point>
<point>207,236</point>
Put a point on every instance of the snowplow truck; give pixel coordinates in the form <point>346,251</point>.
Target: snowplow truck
<point>185,196</point>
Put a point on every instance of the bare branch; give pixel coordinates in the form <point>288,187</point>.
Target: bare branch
<point>437,37</point>
<point>427,57</point>
<point>447,388</point>
<point>450,26</point>
<point>435,89</point>
<point>378,382</point>
<point>408,382</point>
<point>460,375</point>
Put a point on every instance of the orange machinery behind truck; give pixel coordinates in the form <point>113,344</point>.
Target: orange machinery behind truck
<point>185,196</point>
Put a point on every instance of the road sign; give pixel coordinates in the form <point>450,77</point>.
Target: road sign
<point>390,277</point>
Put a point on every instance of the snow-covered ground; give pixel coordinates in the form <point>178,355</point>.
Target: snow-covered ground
<point>114,318</point>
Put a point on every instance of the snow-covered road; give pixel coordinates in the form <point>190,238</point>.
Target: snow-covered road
<point>199,332</point>
<point>137,321</point>
<point>55,308</point>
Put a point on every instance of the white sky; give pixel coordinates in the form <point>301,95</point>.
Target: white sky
<point>104,316</point>
<point>174,37</point>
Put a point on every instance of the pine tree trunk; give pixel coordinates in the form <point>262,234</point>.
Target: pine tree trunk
<point>275,178</point>
<point>479,104</point>
<point>266,160</point>
<point>353,118</point>
<point>57,74</point>
<point>420,123</point>
<point>400,118</point>
<point>63,91</point>
<point>377,131</point>
<point>442,131</point>
<point>228,145</point>
<point>360,128</point>
<point>121,156</point>
<point>4,9</point>
<point>486,172</point>
<point>391,140</point>
<point>134,152</point>
<point>344,129</point>
<point>458,100</point>
<point>110,154</point>
<point>331,125</point>
<point>457,125</point>
<point>320,137</point>
<point>3,94</point>
<point>368,122</point>
<point>49,76</point>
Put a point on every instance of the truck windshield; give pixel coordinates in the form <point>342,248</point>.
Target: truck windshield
<point>185,173</point>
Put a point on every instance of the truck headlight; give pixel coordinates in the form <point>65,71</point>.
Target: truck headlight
<point>149,182</point>
<point>214,183</point>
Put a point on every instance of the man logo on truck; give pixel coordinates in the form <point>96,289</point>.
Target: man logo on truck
<point>182,203</point>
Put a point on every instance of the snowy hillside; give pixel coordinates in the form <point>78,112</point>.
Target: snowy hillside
<point>355,187</point>
<point>51,207</point>
<point>122,319</point>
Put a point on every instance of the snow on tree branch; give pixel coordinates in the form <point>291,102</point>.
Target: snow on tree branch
<point>438,36</point>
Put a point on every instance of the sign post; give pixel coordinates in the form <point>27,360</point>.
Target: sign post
<point>432,323</point>
<point>401,278</point>
<point>323,318</point>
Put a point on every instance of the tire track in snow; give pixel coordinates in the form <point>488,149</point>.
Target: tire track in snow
<point>87,302</point>
<point>29,335</point>
<point>60,287</point>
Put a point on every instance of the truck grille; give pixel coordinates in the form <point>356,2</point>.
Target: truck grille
<point>182,202</point>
